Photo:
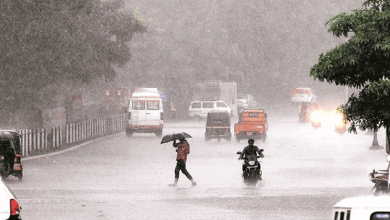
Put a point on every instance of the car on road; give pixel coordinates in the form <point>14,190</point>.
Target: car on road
<point>245,101</point>
<point>200,109</point>
<point>303,95</point>
<point>9,206</point>
<point>362,207</point>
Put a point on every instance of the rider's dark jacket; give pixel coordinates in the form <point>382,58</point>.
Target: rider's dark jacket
<point>251,150</point>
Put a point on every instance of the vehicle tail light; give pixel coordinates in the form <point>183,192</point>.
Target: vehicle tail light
<point>17,158</point>
<point>129,115</point>
<point>161,116</point>
<point>16,167</point>
<point>15,208</point>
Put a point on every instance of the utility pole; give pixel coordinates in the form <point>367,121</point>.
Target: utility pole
<point>346,40</point>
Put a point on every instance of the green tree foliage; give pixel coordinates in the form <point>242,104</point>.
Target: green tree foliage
<point>48,45</point>
<point>361,62</point>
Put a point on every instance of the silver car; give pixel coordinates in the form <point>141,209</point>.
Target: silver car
<point>245,101</point>
<point>303,95</point>
<point>9,206</point>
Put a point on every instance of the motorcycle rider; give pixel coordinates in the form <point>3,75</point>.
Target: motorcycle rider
<point>251,149</point>
<point>303,110</point>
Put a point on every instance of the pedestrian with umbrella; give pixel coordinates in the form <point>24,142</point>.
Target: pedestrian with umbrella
<point>183,149</point>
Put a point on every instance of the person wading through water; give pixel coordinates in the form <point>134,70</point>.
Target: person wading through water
<point>183,148</point>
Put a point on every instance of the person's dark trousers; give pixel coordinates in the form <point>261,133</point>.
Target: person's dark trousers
<point>181,165</point>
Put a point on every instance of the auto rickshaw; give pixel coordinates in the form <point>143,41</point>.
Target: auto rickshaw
<point>10,154</point>
<point>218,125</point>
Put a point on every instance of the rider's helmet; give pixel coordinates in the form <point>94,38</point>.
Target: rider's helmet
<point>251,141</point>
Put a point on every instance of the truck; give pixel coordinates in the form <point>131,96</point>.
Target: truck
<point>145,112</point>
<point>217,90</point>
<point>252,123</point>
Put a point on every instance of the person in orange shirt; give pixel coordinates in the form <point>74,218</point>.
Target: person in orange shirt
<point>183,148</point>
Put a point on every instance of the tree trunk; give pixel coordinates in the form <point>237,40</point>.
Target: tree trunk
<point>375,144</point>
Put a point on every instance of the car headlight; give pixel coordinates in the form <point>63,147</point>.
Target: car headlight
<point>251,162</point>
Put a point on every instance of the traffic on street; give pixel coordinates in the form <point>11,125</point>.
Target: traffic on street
<point>305,171</point>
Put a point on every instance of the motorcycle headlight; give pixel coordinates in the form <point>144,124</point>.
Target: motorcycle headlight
<point>251,163</point>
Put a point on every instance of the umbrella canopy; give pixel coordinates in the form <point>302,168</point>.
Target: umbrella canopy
<point>175,136</point>
<point>6,135</point>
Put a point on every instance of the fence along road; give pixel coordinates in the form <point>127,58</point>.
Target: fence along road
<point>43,141</point>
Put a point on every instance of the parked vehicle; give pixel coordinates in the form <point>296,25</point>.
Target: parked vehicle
<point>10,154</point>
<point>200,109</point>
<point>303,95</point>
<point>380,178</point>
<point>252,123</point>
<point>245,101</point>
<point>218,125</point>
<point>145,112</point>
<point>9,206</point>
<point>362,208</point>
<point>251,175</point>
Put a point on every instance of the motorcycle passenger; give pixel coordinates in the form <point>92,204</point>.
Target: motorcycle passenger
<point>251,150</point>
<point>303,110</point>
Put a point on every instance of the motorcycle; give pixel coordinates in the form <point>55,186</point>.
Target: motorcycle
<point>380,179</point>
<point>252,173</point>
<point>304,117</point>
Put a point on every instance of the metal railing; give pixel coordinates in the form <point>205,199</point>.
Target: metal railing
<point>40,141</point>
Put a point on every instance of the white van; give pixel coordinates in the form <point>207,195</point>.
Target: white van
<point>200,109</point>
<point>362,208</point>
<point>145,112</point>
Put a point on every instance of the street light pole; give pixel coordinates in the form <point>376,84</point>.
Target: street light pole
<point>346,40</point>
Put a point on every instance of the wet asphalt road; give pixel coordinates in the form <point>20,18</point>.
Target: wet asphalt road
<point>305,171</point>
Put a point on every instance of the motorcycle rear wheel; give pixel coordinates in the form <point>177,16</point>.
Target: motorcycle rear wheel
<point>380,190</point>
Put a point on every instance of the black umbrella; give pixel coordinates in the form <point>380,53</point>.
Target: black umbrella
<point>175,136</point>
<point>6,135</point>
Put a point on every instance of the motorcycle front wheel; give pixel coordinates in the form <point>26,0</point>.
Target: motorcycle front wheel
<point>380,190</point>
<point>253,179</point>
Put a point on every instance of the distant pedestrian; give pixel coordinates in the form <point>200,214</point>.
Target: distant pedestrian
<point>183,148</point>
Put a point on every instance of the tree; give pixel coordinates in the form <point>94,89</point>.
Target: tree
<point>48,45</point>
<point>361,62</point>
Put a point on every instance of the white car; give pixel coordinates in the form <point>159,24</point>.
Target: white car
<point>303,95</point>
<point>200,109</point>
<point>245,101</point>
<point>9,206</point>
<point>362,207</point>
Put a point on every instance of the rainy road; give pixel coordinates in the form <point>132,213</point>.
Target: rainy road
<point>305,172</point>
